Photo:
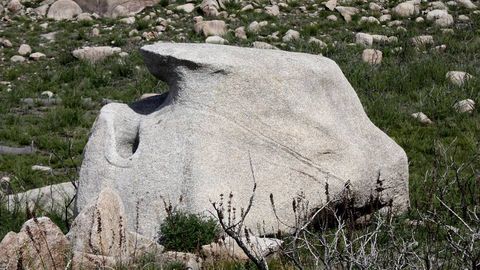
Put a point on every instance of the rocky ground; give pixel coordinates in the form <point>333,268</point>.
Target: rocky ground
<point>415,66</point>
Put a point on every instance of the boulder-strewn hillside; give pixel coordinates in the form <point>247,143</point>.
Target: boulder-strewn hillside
<point>413,64</point>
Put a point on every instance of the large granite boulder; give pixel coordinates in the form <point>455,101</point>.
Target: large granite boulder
<point>292,119</point>
<point>115,8</point>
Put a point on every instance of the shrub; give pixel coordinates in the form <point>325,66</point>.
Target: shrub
<point>187,232</point>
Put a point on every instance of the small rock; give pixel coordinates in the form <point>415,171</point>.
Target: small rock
<point>272,10</point>
<point>95,32</point>
<point>332,18</point>
<point>48,94</point>
<point>331,4</point>
<point>291,35</point>
<point>347,12</point>
<point>374,6</point>
<point>148,95</point>
<point>419,20</point>
<point>256,26</point>
<point>440,17</point>
<point>14,6</point>
<point>370,19</point>
<point>385,18</point>
<point>187,8</point>
<point>63,10</point>
<point>37,56</point>
<point>422,118</point>
<point>464,106</point>
<point>24,49</point>
<point>372,56</point>
<point>466,4</point>
<point>41,168</point>
<point>95,54</point>
<point>5,43</point>
<point>228,249</point>
<point>405,9</point>
<point>422,40</point>
<point>463,18</point>
<point>317,42</point>
<point>240,33</point>
<point>247,8</point>
<point>84,17</point>
<point>128,20</point>
<point>17,59</point>
<point>364,39</point>
<point>215,40</point>
<point>458,77</point>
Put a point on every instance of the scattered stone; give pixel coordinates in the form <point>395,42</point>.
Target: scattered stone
<point>370,19</point>
<point>458,77</point>
<point>48,94</point>
<point>14,6</point>
<point>419,20</point>
<point>466,4</point>
<point>95,32</point>
<point>246,8</point>
<point>422,118</point>
<point>240,33</point>
<point>210,8</point>
<point>332,18</point>
<point>440,17</point>
<point>347,12</point>
<point>84,17</point>
<point>406,9</point>
<point>211,28</point>
<point>95,54</point>
<point>374,7</point>
<point>272,10</point>
<point>189,260</point>
<point>291,35</point>
<point>385,18</point>
<point>128,20</point>
<point>5,43</point>
<point>63,10</point>
<point>364,39</point>
<point>40,244</point>
<point>464,106</point>
<point>463,18</point>
<point>41,168</point>
<point>49,36</point>
<point>115,8</point>
<point>17,59</point>
<point>317,42</point>
<point>256,26</point>
<point>372,56</point>
<point>424,40</point>
<point>24,49</point>
<point>37,56</point>
<point>331,4</point>
<point>215,40</point>
<point>187,8</point>
<point>41,10</point>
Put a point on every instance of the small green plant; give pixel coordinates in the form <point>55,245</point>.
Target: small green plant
<point>187,232</point>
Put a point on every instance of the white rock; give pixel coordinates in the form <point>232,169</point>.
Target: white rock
<point>234,105</point>
<point>466,4</point>
<point>115,8</point>
<point>463,18</point>
<point>331,4</point>
<point>440,17</point>
<point>63,10</point>
<point>405,9</point>
<point>48,94</point>
<point>422,40</point>
<point>317,42</point>
<point>187,8</point>
<point>37,56</point>
<point>347,12</point>
<point>419,20</point>
<point>422,118</point>
<point>464,106</point>
<point>128,20</point>
<point>17,59</point>
<point>374,6</point>
<point>332,18</point>
<point>256,26</point>
<point>272,10</point>
<point>291,35</point>
<point>370,19</point>
<point>240,33</point>
<point>24,49</point>
<point>5,43</point>
<point>41,10</point>
<point>364,39</point>
<point>228,249</point>
<point>458,77</point>
<point>246,8</point>
<point>14,6</point>
<point>215,40</point>
<point>372,56</point>
<point>385,18</point>
<point>95,32</point>
<point>41,168</point>
<point>84,17</point>
<point>95,54</point>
